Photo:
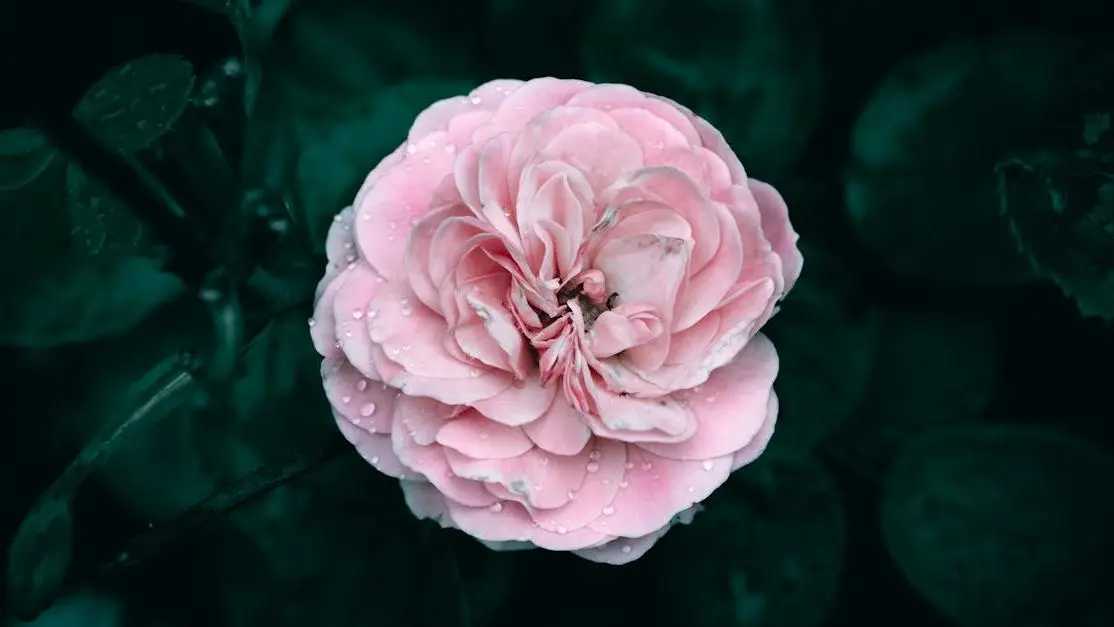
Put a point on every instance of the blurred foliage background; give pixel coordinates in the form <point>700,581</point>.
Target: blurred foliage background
<point>943,455</point>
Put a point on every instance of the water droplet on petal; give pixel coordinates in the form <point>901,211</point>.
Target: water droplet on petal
<point>375,460</point>
<point>371,313</point>
<point>594,455</point>
<point>411,149</point>
<point>626,548</point>
<point>629,465</point>
<point>624,483</point>
<point>361,385</point>
<point>708,465</point>
<point>476,100</point>
<point>561,529</point>
<point>571,495</point>
<point>592,467</point>
<point>692,489</point>
<point>609,510</point>
<point>474,372</point>
<point>495,507</point>
<point>312,322</point>
<point>368,409</point>
<point>483,436</point>
<point>357,314</point>
<point>647,465</point>
<point>406,310</point>
<point>346,399</point>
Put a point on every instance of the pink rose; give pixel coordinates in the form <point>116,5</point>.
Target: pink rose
<point>541,315</point>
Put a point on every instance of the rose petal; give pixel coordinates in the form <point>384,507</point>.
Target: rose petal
<point>778,230</point>
<point>561,430</point>
<point>376,449</point>
<point>476,436</point>
<point>368,404</point>
<point>731,408</point>
<point>350,308</point>
<point>518,404</point>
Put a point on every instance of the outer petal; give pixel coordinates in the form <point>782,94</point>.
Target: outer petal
<point>375,448</point>
<point>367,404</point>
<point>776,226</point>
<point>349,313</point>
<point>659,488</point>
<point>731,408</point>
<point>625,550</point>
<point>561,430</point>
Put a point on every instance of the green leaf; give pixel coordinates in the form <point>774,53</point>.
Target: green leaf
<point>930,370</point>
<point>102,223</point>
<point>24,154</point>
<point>996,525</point>
<point>827,352</point>
<point>39,557</point>
<point>137,102</point>
<point>921,191</point>
<point>1061,209</point>
<point>752,68</point>
<point>767,550</point>
<point>335,163</point>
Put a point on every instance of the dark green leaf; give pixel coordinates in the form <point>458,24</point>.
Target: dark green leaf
<point>102,223</point>
<point>996,524</point>
<point>827,350</point>
<point>1061,209</point>
<point>750,67</point>
<point>921,192</point>
<point>40,555</point>
<point>767,550</point>
<point>930,370</point>
<point>137,102</point>
<point>24,154</point>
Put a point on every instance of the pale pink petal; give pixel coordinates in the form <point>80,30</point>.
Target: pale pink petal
<point>654,135</point>
<point>400,196</point>
<point>377,173</point>
<point>486,302</point>
<point>611,97</point>
<point>757,446</point>
<point>588,502</point>
<point>561,430</point>
<point>625,550</point>
<point>645,270</point>
<point>517,404</point>
<point>375,448</point>
<point>731,408</point>
<point>350,308</point>
<point>367,404</point>
<point>534,97</point>
<point>511,522</point>
<point>623,327</point>
<point>322,326</point>
<point>476,436</point>
<point>778,230</point>
<point>601,153</point>
<point>412,334</point>
<point>707,287</point>
<point>634,419</point>
<point>429,461</point>
<point>340,243</point>
<point>540,479</point>
<point>425,501</point>
<point>658,488</point>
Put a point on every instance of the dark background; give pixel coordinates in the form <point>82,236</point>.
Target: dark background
<point>943,456</point>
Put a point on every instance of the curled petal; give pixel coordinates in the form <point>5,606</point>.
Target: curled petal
<point>778,230</point>
<point>561,430</point>
<point>478,437</point>
<point>518,404</point>
<point>368,404</point>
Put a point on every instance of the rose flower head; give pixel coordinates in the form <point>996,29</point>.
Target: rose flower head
<point>542,312</point>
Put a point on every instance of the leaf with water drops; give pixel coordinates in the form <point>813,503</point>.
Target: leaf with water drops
<point>336,162</point>
<point>137,102</point>
<point>930,370</point>
<point>102,223</point>
<point>24,154</point>
<point>40,555</point>
<point>1004,525</point>
<point>921,189</point>
<point>827,350</point>
<point>767,550</point>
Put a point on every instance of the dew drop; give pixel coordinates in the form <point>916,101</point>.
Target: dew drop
<point>427,161</point>
<point>592,467</point>
<point>411,149</point>
<point>647,465</point>
<point>629,465</point>
<point>626,548</point>
<point>624,483</point>
<point>710,399</point>
<point>594,455</point>
<point>609,510</point>
<point>571,495</point>
<point>474,372</point>
<point>312,322</point>
<point>406,347</point>
<point>561,529</point>
<point>371,313</point>
<point>361,385</point>
<point>692,489</point>
<point>368,409</point>
<point>390,238</point>
<point>708,465</point>
<point>476,100</point>
<point>495,507</point>
<point>346,399</point>
<point>392,226</point>
<point>405,310</point>
<point>357,314</point>
<point>483,436</point>
<point>375,460</point>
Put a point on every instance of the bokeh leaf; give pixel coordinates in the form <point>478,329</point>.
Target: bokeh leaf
<point>40,555</point>
<point>827,350</point>
<point>751,67</point>
<point>921,190</point>
<point>24,154</point>
<point>137,102</point>
<point>995,525</point>
<point>767,550</point>
<point>1061,210</point>
<point>930,370</point>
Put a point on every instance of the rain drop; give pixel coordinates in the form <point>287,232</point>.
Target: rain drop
<point>708,465</point>
<point>609,510</point>
<point>312,322</point>
<point>561,529</point>
<point>483,436</point>
<point>357,314</point>
<point>405,310</point>
<point>629,465</point>
<point>496,507</point>
<point>371,313</point>
<point>571,495</point>
<point>594,455</point>
<point>427,161</point>
<point>474,372</point>
<point>361,385</point>
<point>624,483</point>
<point>592,467</point>
<point>368,409</point>
<point>647,465</point>
<point>411,149</point>
<point>346,399</point>
<point>626,548</point>
<point>476,100</point>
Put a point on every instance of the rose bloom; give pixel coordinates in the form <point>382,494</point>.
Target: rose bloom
<point>541,315</point>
